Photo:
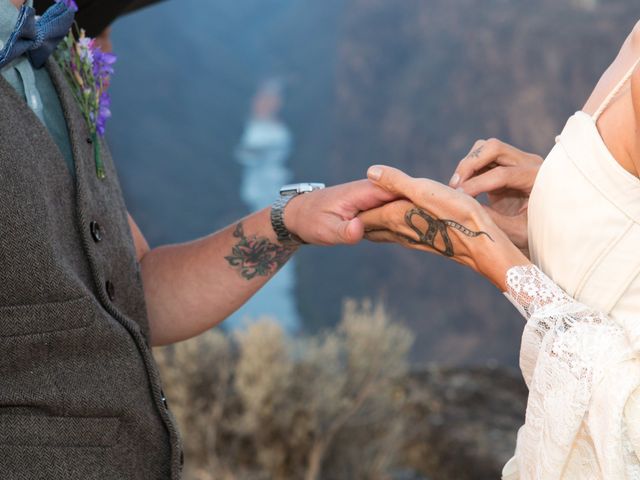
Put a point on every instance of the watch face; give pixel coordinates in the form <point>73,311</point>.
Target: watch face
<point>315,186</point>
<point>297,188</point>
<point>288,190</point>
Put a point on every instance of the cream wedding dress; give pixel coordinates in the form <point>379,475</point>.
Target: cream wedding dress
<point>581,358</point>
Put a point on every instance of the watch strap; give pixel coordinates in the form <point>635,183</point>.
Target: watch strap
<point>287,192</point>
<point>284,236</point>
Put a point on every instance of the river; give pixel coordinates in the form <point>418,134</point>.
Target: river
<point>263,152</point>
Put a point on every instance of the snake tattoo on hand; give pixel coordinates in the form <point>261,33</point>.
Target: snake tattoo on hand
<point>437,226</point>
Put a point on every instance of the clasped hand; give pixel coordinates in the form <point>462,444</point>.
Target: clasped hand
<point>433,217</point>
<point>425,215</point>
<point>414,212</point>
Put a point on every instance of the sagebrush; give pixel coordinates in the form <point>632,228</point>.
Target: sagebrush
<point>263,405</point>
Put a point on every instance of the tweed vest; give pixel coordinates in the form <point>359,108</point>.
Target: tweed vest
<point>80,395</point>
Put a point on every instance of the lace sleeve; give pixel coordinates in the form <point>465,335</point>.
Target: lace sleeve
<point>566,349</point>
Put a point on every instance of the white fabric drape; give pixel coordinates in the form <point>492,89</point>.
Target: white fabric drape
<point>583,374</point>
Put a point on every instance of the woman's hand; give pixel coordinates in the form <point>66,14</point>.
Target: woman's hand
<point>436,218</point>
<point>507,175</point>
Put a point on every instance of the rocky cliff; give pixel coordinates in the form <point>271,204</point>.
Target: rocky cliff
<point>414,84</point>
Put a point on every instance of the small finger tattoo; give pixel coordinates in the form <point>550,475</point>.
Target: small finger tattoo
<point>476,153</point>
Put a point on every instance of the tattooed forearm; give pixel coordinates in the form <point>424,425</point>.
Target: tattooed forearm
<point>437,226</point>
<point>256,256</point>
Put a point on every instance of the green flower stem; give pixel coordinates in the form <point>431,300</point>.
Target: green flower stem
<point>100,171</point>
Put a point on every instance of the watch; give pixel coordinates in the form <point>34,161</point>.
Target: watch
<point>287,192</point>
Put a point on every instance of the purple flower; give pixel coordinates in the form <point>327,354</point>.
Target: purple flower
<point>102,64</point>
<point>71,4</point>
<point>102,71</point>
<point>89,71</point>
<point>85,49</point>
<point>103,113</point>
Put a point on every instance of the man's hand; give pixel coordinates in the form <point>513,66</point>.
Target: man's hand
<point>330,216</point>
<point>506,174</point>
<point>192,286</point>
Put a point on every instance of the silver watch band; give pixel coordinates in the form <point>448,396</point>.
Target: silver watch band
<point>287,192</point>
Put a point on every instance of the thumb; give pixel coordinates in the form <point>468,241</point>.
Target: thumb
<point>349,232</point>
<point>393,181</point>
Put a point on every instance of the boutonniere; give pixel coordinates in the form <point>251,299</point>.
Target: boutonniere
<point>88,70</point>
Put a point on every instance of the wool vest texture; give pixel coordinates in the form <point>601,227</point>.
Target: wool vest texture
<point>80,395</point>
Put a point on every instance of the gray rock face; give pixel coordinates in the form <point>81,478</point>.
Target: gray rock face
<point>463,422</point>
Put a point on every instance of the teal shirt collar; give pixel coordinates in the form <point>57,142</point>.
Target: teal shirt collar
<point>8,19</point>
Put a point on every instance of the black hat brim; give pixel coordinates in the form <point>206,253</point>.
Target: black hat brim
<point>96,15</point>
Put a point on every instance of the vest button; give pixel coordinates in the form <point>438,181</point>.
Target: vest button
<point>111,292</point>
<point>181,458</point>
<point>96,231</point>
<point>89,140</point>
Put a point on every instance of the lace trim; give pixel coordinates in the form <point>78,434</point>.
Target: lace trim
<point>567,349</point>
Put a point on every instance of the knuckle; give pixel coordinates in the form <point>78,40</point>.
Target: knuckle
<point>536,159</point>
<point>500,177</point>
<point>501,174</point>
<point>494,144</point>
<point>392,215</point>
<point>320,234</point>
<point>387,216</point>
<point>478,143</point>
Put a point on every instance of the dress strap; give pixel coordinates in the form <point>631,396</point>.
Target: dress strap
<point>615,91</point>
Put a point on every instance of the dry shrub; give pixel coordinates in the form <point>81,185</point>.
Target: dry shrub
<point>263,405</point>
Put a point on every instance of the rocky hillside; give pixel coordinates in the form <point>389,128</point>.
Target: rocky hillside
<point>414,84</point>
<point>362,416</point>
<point>463,418</point>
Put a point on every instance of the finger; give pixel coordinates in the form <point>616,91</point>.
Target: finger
<point>388,217</point>
<point>364,195</point>
<point>347,232</point>
<point>334,230</point>
<point>490,181</point>
<point>514,178</point>
<point>353,231</point>
<point>515,227</point>
<point>455,178</point>
<point>386,236</point>
<point>380,236</point>
<point>484,153</point>
<point>397,182</point>
<point>374,219</point>
<point>460,168</point>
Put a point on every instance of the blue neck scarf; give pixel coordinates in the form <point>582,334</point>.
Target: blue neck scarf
<point>37,37</point>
